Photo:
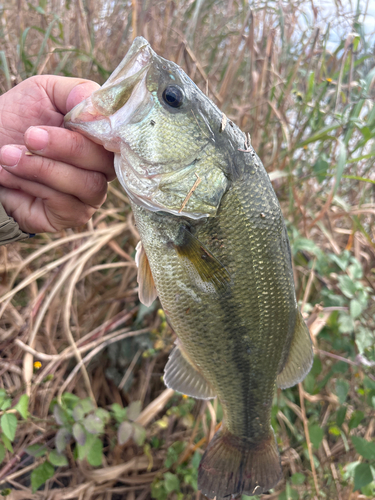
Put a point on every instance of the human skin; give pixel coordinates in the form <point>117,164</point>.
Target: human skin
<point>65,179</point>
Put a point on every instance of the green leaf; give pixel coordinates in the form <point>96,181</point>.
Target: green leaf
<point>2,452</point>
<point>8,424</point>
<point>103,415</point>
<point>23,405</point>
<point>82,408</point>
<point>365,448</point>
<point>119,412</point>
<point>61,416</point>
<point>340,416</point>
<point>347,286</point>
<point>355,419</point>
<point>298,478</point>
<point>36,450</point>
<point>134,409</point>
<point>79,433</point>
<point>369,490</point>
<point>364,338</point>
<point>173,453</point>
<point>316,435</point>
<point>346,323</point>
<point>171,482</point>
<point>5,404</point>
<point>355,308</point>
<point>342,389</point>
<point>83,450</point>
<point>362,476</point>
<point>95,454</point>
<point>309,383</point>
<point>125,432</point>
<point>7,443</point>
<point>340,367</point>
<point>93,424</point>
<point>321,167</point>
<point>57,459</point>
<point>62,438</point>
<point>139,434</point>
<point>304,244</point>
<point>41,474</point>
<point>69,400</point>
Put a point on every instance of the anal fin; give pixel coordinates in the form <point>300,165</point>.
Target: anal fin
<point>181,376</point>
<point>300,357</point>
<point>147,290</point>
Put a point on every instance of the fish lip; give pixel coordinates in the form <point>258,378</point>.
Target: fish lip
<point>139,57</point>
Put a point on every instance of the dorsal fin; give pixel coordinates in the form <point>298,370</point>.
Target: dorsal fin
<point>300,357</point>
<point>147,290</point>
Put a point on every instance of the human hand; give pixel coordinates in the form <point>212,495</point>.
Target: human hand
<point>65,180</point>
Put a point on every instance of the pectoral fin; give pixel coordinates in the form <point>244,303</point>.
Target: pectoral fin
<point>181,376</point>
<point>205,270</point>
<point>300,357</point>
<point>147,291</point>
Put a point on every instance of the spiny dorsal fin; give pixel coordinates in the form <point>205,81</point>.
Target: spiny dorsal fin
<point>181,376</point>
<point>205,270</point>
<point>147,291</point>
<point>300,357</point>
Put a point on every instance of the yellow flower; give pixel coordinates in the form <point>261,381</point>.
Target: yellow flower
<point>37,365</point>
<point>184,396</point>
<point>329,80</point>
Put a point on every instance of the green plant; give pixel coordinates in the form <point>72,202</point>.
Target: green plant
<point>180,477</point>
<point>9,421</point>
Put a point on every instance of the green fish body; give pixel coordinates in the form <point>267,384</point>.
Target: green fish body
<point>214,248</point>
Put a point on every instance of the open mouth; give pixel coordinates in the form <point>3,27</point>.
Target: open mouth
<point>123,97</point>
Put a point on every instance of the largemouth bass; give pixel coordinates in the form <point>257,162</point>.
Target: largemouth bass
<point>214,248</point>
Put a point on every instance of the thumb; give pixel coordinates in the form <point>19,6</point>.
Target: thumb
<point>79,93</point>
<point>65,92</point>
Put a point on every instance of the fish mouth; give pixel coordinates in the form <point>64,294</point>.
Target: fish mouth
<point>123,99</point>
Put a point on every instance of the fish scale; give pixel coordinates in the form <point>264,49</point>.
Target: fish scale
<point>214,248</point>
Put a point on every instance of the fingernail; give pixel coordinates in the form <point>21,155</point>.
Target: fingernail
<point>36,138</point>
<point>10,156</point>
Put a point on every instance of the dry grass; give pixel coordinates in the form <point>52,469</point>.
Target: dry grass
<point>70,300</point>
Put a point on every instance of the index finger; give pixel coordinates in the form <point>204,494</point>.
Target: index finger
<point>70,147</point>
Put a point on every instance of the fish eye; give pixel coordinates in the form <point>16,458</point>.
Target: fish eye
<point>173,96</point>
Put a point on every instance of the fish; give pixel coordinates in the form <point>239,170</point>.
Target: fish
<point>214,248</point>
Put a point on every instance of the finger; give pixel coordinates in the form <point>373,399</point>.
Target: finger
<point>88,186</point>
<point>38,208</point>
<point>70,147</point>
<point>64,92</point>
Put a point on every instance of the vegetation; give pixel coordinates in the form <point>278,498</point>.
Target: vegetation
<point>83,409</point>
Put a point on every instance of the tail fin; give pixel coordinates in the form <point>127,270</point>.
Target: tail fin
<point>232,465</point>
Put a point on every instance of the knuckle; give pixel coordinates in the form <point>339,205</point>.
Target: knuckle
<point>95,184</point>
<point>77,145</point>
<point>84,216</point>
<point>45,170</point>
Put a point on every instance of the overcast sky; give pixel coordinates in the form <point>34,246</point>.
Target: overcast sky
<point>328,9</point>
